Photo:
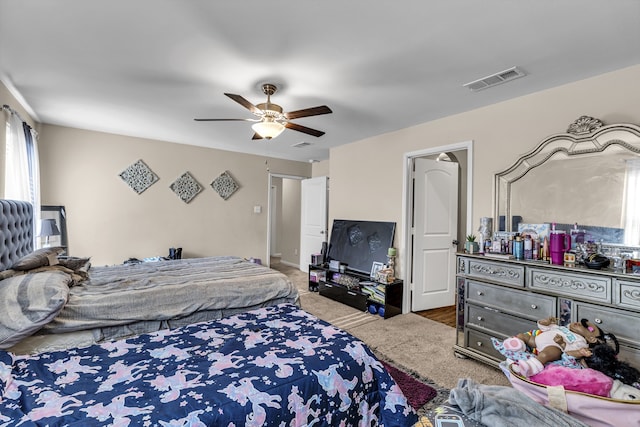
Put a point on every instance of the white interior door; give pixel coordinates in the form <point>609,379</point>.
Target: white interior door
<point>313,218</point>
<point>435,229</point>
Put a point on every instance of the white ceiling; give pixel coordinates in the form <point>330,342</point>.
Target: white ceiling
<point>147,68</point>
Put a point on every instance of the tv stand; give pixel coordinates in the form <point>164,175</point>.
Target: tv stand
<point>351,287</point>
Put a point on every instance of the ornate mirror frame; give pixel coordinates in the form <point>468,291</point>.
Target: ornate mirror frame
<point>586,136</point>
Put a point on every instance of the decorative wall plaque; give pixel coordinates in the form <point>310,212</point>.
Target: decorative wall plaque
<point>224,185</point>
<point>138,176</point>
<point>186,187</point>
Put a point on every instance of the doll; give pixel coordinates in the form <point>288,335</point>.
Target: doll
<point>604,358</point>
<point>551,341</point>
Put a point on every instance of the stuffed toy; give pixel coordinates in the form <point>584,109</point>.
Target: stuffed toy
<point>551,342</point>
<point>581,341</point>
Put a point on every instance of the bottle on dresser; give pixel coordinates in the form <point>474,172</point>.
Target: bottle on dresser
<point>528,247</point>
<point>518,247</point>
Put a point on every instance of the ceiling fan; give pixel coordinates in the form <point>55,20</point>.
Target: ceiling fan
<point>271,120</point>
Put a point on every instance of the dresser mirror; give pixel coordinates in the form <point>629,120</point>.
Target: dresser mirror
<point>588,176</point>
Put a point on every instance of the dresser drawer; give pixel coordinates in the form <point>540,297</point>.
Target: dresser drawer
<point>627,294</point>
<point>583,286</point>
<point>508,274</point>
<point>630,355</point>
<point>495,321</point>
<point>624,325</point>
<point>524,304</point>
<point>480,342</point>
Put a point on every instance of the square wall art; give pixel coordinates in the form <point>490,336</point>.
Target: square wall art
<point>186,187</point>
<point>224,185</point>
<point>138,176</point>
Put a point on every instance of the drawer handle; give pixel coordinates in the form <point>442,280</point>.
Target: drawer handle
<point>533,306</point>
<point>598,321</point>
<point>480,319</point>
<point>328,285</point>
<point>480,293</point>
<point>351,293</point>
<point>479,344</point>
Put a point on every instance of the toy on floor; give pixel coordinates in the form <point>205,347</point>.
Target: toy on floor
<point>550,341</point>
<point>581,340</point>
<point>604,358</point>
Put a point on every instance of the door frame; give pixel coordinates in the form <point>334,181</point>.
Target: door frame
<point>269,207</point>
<point>407,207</point>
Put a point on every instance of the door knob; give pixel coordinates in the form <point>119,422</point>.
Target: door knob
<point>455,243</point>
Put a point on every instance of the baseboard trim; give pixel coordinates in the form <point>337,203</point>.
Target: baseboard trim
<point>290,264</point>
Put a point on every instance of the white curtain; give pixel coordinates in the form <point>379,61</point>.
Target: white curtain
<point>34,181</point>
<point>632,203</point>
<point>17,185</point>
<point>22,167</point>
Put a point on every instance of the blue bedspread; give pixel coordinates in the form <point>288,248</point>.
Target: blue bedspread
<point>275,366</point>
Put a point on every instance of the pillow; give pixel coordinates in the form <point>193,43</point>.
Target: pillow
<point>79,266</point>
<point>30,301</point>
<point>39,258</point>
<point>585,380</point>
<point>74,263</point>
<point>5,274</point>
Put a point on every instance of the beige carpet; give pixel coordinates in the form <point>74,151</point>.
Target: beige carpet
<point>407,340</point>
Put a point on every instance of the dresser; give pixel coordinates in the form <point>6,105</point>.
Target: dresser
<point>502,297</point>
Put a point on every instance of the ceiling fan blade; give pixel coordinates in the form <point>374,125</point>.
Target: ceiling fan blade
<point>256,136</point>
<point>303,129</point>
<point>306,112</point>
<point>226,120</point>
<point>246,104</point>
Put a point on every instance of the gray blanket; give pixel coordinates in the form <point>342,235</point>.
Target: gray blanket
<point>499,406</point>
<point>176,289</point>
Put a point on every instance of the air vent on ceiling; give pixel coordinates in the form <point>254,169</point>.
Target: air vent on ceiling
<point>301,144</point>
<point>495,79</point>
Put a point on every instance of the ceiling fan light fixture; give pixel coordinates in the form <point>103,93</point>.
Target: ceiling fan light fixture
<point>268,129</point>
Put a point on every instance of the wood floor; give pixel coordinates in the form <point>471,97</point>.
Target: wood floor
<point>446,315</point>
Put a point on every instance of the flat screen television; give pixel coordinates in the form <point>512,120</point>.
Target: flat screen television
<point>360,243</point>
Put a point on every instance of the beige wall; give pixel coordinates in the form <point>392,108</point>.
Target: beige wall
<point>370,188</point>
<point>320,169</point>
<point>108,221</point>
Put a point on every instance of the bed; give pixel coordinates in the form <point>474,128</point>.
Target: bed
<point>273,366</point>
<point>54,302</point>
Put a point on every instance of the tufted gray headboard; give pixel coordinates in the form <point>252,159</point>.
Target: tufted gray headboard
<point>16,231</point>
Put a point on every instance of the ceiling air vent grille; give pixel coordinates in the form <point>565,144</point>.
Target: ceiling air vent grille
<point>495,79</point>
<point>301,144</point>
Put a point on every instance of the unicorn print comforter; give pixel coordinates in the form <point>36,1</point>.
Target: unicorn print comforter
<point>274,366</point>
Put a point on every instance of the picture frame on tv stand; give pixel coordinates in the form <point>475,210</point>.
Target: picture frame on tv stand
<point>377,266</point>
